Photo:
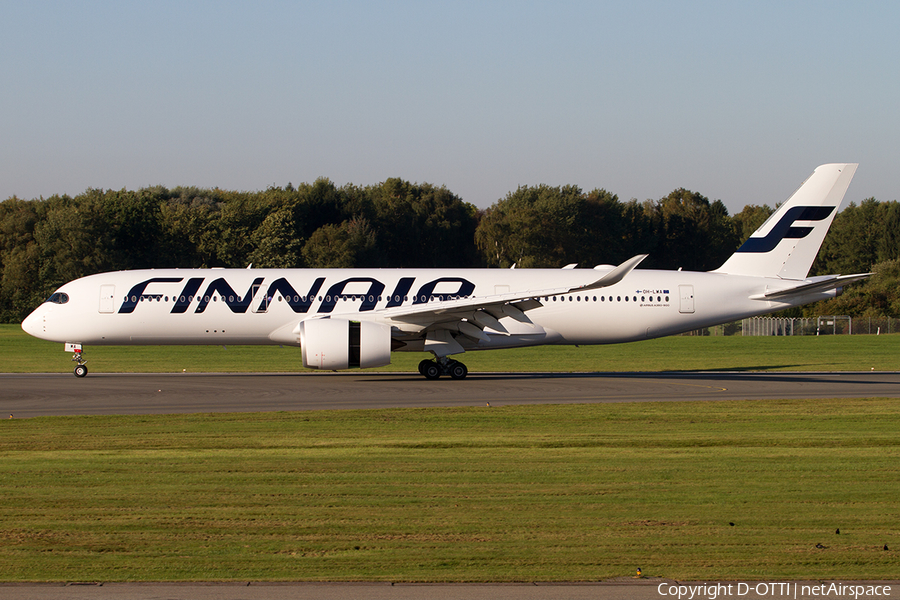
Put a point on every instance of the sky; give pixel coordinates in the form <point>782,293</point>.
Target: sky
<point>738,101</point>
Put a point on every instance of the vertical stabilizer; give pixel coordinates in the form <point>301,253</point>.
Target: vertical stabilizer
<point>787,243</point>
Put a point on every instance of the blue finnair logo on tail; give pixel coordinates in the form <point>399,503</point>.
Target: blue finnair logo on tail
<point>785,228</point>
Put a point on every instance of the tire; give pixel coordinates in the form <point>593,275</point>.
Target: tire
<point>458,370</point>
<point>424,364</point>
<point>432,370</point>
<point>81,371</point>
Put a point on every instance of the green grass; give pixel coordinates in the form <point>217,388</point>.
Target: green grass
<point>523,493</point>
<point>22,353</point>
<point>468,494</point>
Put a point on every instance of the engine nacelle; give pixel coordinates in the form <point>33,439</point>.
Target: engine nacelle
<point>340,344</point>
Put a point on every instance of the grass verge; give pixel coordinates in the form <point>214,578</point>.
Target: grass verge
<point>692,491</point>
<point>22,353</point>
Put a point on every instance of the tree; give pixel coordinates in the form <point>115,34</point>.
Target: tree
<point>187,216</point>
<point>240,216</point>
<point>349,244</point>
<point>67,237</point>
<point>20,289</point>
<point>421,225</point>
<point>275,242</point>
<point>889,240</point>
<point>851,245</point>
<point>131,228</point>
<point>694,234</point>
<point>878,296</point>
<point>544,226</point>
<point>750,219</point>
<point>514,230</point>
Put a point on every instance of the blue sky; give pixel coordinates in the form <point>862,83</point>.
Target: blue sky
<point>739,101</point>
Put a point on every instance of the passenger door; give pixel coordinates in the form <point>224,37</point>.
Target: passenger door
<point>686,296</point>
<point>107,298</point>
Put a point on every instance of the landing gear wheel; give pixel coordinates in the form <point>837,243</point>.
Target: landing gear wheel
<point>432,370</point>
<point>457,370</point>
<point>424,364</point>
<point>78,358</point>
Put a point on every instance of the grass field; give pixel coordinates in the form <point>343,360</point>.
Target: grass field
<point>470,494</point>
<point>20,352</point>
<point>721,490</point>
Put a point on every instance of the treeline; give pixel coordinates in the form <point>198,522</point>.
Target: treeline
<point>45,243</point>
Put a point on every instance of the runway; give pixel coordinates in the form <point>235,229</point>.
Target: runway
<point>633,590</point>
<point>32,395</point>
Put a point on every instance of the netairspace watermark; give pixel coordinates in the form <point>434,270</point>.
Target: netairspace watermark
<point>712,591</point>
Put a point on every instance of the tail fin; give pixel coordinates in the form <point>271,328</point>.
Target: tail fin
<point>786,244</point>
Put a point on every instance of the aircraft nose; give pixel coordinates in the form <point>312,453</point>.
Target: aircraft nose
<point>34,323</point>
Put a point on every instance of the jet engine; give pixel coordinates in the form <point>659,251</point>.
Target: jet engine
<point>341,344</point>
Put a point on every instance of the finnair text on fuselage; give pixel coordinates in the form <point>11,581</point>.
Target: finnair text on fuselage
<point>369,293</point>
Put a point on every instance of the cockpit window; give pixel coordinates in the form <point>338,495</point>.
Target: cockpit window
<point>58,298</point>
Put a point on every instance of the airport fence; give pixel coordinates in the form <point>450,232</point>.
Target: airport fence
<point>826,325</point>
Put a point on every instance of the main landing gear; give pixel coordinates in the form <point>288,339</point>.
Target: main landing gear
<point>81,369</point>
<point>433,369</point>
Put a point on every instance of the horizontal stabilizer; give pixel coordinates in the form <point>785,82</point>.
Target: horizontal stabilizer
<point>830,282</point>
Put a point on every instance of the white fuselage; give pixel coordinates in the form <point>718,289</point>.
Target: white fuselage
<point>349,318</point>
<point>265,306</point>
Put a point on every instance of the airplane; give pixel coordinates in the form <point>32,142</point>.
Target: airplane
<point>355,318</point>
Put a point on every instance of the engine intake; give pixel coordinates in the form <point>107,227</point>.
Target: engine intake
<point>334,344</point>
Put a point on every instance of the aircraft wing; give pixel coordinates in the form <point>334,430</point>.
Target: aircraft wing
<point>816,284</point>
<point>469,316</point>
<point>522,300</point>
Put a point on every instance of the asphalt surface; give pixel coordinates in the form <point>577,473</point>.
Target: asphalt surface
<point>31,395</point>
<point>636,590</point>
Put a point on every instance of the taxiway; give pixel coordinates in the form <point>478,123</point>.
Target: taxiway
<point>31,395</point>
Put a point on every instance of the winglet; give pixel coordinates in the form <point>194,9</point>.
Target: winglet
<point>614,276</point>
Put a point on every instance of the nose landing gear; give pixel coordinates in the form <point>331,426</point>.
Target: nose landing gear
<point>81,369</point>
<point>433,369</point>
